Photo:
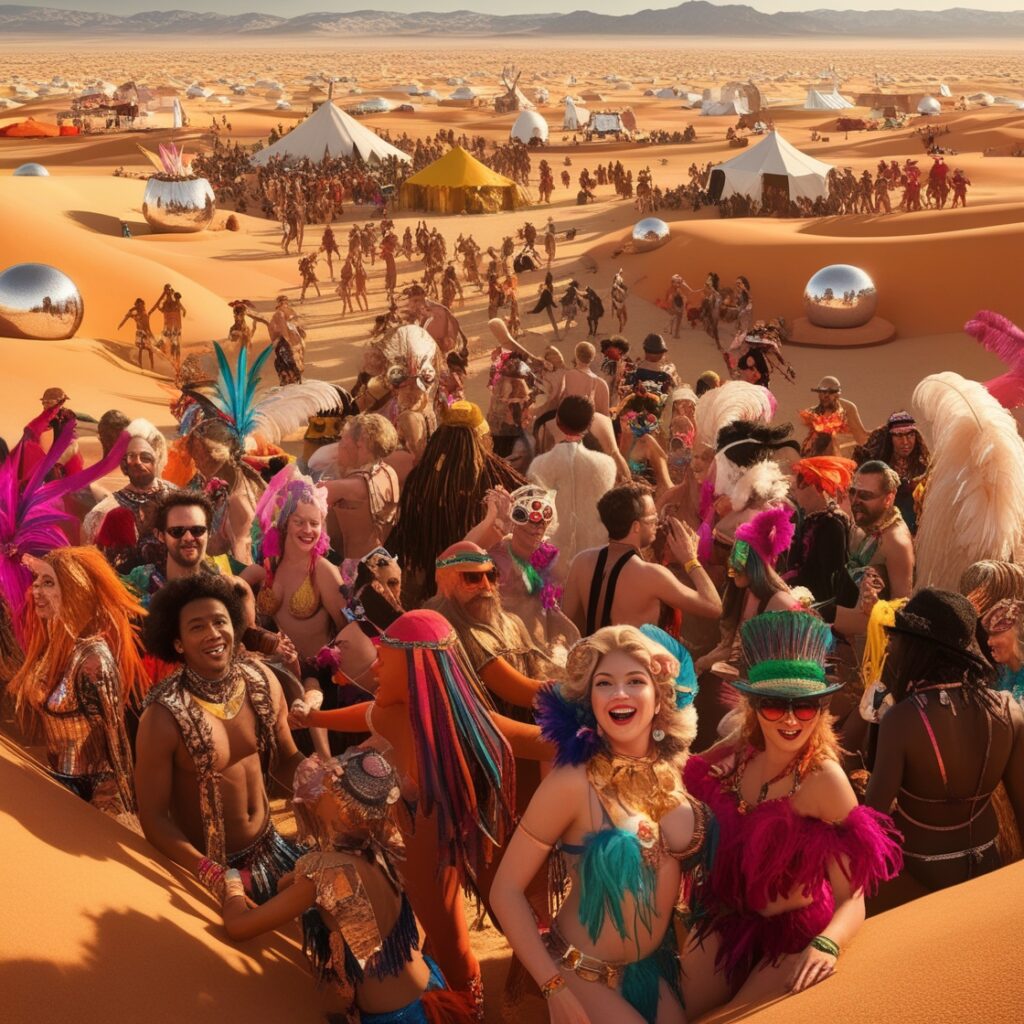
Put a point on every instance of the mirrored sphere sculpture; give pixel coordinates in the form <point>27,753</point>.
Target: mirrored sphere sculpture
<point>39,301</point>
<point>183,205</point>
<point>840,296</point>
<point>649,233</point>
<point>31,171</point>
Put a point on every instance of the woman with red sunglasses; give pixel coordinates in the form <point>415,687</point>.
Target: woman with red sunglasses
<point>796,854</point>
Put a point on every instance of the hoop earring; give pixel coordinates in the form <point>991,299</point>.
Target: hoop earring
<point>658,735</point>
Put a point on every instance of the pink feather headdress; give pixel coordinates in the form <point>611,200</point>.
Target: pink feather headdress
<point>769,533</point>
<point>1004,339</point>
<point>285,490</point>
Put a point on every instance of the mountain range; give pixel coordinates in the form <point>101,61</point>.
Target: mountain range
<point>694,18</point>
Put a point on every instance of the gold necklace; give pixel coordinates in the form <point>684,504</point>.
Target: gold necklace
<point>227,709</point>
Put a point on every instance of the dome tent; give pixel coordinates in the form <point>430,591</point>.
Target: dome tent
<point>459,183</point>
<point>772,164</point>
<point>929,105</point>
<point>529,125</point>
<point>330,132</point>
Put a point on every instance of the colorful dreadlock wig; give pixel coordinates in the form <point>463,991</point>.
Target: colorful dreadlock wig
<point>32,510</point>
<point>94,603</point>
<point>465,767</point>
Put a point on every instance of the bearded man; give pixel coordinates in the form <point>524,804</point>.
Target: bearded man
<point>143,464</point>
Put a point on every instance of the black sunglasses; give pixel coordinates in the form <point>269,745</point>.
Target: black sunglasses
<point>475,577</point>
<point>177,532</point>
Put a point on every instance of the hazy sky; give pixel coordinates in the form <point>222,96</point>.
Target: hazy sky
<point>522,6</point>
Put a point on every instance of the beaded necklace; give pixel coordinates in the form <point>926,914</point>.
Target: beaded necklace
<point>792,768</point>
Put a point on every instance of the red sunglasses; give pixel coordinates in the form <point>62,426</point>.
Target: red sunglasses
<point>773,709</point>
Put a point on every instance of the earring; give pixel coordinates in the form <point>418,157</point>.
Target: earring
<point>658,735</point>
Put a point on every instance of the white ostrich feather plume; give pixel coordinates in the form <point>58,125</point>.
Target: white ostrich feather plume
<point>734,400</point>
<point>974,500</point>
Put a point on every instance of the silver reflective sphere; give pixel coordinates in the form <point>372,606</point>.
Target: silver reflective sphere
<point>31,171</point>
<point>840,296</point>
<point>649,233</point>
<point>39,301</point>
<point>179,206</point>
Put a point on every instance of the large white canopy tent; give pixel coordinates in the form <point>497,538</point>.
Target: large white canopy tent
<point>778,161</point>
<point>333,133</point>
<point>817,100</point>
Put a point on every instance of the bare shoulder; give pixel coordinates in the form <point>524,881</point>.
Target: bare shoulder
<point>327,573</point>
<point>568,782</point>
<point>157,729</point>
<point>827,792</point>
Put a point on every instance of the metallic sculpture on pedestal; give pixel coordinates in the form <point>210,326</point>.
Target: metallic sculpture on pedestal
<point>174,201</point>
<point>840,296</point>
<point>39,301</point>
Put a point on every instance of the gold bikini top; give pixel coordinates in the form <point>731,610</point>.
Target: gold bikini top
<point>304,602</point>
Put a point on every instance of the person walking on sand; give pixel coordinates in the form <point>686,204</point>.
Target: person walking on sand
<point>143,332</point>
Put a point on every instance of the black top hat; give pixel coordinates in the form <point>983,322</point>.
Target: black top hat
<point>655,343</point>
<point>942,618</point>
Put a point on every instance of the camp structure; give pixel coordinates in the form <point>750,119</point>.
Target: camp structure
<point>817,100</point>
<point>530,126</point>
<point>459,183</point>
<point>330,132</point>
<point>576,117</point>
<point>513,97</point>
<point>929,106</point>
<point>768,168</point>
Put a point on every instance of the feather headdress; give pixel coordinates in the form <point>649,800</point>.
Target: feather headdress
<point>270,418</point>
<point>32,510</point>
<point>278,502</point>
<point>1003,338</point>
<point>769,533</point>
<point>762,484</point>
<point>734,400</point>
<point>974,498</point>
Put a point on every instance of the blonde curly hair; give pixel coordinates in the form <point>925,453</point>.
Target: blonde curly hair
<point>678,724</point>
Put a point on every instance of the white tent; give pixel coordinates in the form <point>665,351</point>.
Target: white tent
<point>666,94</point>
<point>177,117</point>
<point>282,105</point>
<point>774,156</point>
<point>944,90</point>
<point>724,108</point>
<point>983,99</point>
<point>374,105</point>
<point>330,132</point>
<point>198,92</point>
<point>575,117</point>
<point>530,125</point>
<point>464,92</point>
<point>929,105</point>
<point>826,100</point>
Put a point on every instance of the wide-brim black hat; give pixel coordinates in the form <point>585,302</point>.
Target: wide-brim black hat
<point>943,618</point>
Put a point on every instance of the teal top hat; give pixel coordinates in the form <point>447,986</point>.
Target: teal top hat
<point>785,656</point>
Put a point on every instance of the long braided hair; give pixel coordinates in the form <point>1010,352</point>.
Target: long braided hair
<point>443,499</point>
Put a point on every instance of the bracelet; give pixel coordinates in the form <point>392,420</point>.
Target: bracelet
<point>233,885</point>
<point>211,876</point>
<point>691,565</point>
<point>825,945</point>
<point>552,985</point>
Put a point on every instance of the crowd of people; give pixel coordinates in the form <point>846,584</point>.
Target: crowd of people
<point>678,693</point>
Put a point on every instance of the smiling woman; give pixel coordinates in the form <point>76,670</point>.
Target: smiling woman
<point>796,853</point>
<point>621,829</point>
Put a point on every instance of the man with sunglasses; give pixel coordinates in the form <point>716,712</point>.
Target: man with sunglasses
<point>881,557</point>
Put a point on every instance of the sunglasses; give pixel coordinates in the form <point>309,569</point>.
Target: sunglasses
<point>774,710</point>
<point>864,495</point>
<point>476,577</point>
<point>177,532</point>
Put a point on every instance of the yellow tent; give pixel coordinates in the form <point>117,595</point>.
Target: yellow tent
<point>459,183</point>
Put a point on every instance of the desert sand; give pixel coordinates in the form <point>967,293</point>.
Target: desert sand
<point>933,270</point>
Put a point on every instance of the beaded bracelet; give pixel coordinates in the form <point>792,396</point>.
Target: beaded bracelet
<point>825,945</point>
<point>210,875</point>
<point>552,985</point>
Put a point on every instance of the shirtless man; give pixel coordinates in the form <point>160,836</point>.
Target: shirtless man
<point>365,494</point>
<point>881,546</point>
<point>285,323</point>
<point>615,586</point>
<point>143,331</point>
<point>169,305</point>
<point>209,736</point>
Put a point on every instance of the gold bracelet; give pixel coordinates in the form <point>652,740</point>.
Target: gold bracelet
<point>552,985</point>
<point>692,564</point>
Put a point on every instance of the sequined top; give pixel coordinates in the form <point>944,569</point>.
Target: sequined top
<point>74,713</point>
